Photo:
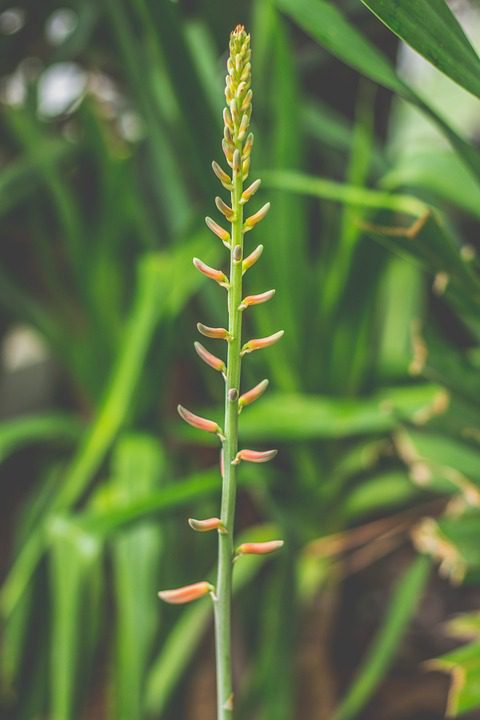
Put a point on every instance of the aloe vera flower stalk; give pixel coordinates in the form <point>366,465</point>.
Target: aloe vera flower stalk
<point>237,145</point>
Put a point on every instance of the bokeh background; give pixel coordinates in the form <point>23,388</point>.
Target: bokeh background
<point>111,113</point>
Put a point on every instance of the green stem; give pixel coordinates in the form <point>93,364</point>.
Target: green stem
<point>230,447</point>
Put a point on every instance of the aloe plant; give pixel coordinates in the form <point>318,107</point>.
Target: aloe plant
<point>237,145</point>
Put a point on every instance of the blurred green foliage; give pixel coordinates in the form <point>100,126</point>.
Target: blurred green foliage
<point>373,174</point>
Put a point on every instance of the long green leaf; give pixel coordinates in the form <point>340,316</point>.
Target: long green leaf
<point>432,30</point>
<point>328,26</point>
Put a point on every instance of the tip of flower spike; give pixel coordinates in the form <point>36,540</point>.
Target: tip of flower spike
<point>186,594</point>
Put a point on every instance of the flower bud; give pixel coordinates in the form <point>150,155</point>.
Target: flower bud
<point>210,272</point>
<point>259,548</point>
<point>252,258</point>
<point>227,119</point>
<point>227,151</point>
<point>220,232</point>
<point>247,148</point>
<point>246,100</point>
<point>222,176</point>
<point>242,86</point>
<point>215,333</point>
<point>253,394</point>
<point>198,422</point>
<point>260,343</point>
<point>256,299</point>
<point>186,594</point>
<point>253,220</point>
<point>207,357</point>
<point>236,163</point>
<point>242,130</point>
<point>207,525</point>
<point>250,191</point>
<point>224,209</point>
<point>255,456</point>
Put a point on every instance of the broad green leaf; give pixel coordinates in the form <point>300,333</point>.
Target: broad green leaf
<point>386,491</point>
<point>433,31</point>
<point>463,666</point>
<point>304,417</point>
<point>328,26</point>
<point>138,464</point>
<point>23,431</point>
<point>75,583</point>
<point>404,602</point>
<point>440,173</point>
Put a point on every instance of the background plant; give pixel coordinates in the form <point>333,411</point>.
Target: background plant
<point>100,209</point>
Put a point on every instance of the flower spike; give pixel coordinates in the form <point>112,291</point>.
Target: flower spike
<point>220,232</point>
<point>251,259</point>
<point>211,332</point>
<point>260,343</point>
<point>256,299</point>
<point>255,456</point>
<point>207,525</point>
<point>259,548</point>
<point>186,594</point>
<point>209,359</point>
<point>249,397</point>
<point>237,145</point>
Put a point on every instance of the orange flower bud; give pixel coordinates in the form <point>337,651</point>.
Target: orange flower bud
<point>222,176</point>
<point>256,299</point>
<point>227,151</point>
<point>224,208</point>
<point>255,456</point>
<point>250,191</point>
<point>198,422</point>
<point>260,548</point>
<point>220,232</point>
<point>210,332</point>
<point>260,343</point>
<point>247,100</point>
<point>237,161</point>
<point>208,358</point>
<point>242,130</point>
<point>186,594</point>
<point>227,118</point>
<point>207,525</point>
<point>210,272</point>
<point>252,258</point>
<point>253,220</point>
<point>253,394</point>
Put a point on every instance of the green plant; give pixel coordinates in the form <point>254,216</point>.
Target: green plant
<point>237,145</point>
